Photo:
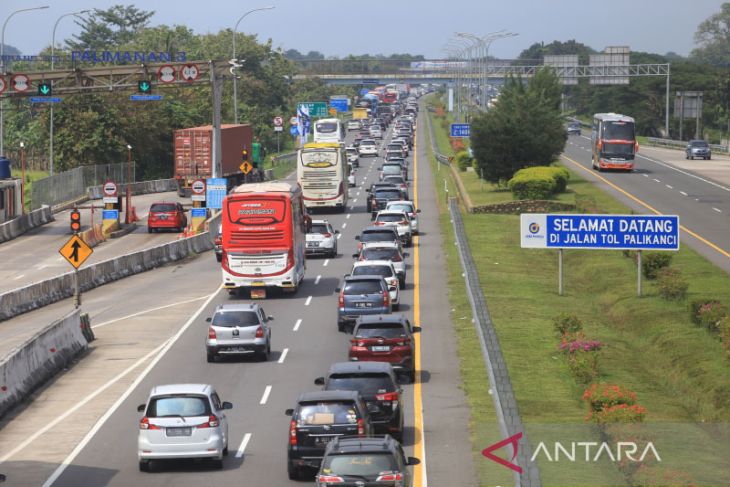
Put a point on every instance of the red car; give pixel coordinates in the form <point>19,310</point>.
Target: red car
<point>166,216</point>
<point>385,338</point>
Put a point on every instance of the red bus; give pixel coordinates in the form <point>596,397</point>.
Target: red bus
<point>390,97</point>
<point>614,142</point>
<point>263,237</point>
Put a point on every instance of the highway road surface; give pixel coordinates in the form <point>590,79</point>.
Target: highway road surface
<point>701,196</point>
<point>82,429</point>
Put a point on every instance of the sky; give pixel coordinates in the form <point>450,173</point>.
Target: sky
<point>342,27</point>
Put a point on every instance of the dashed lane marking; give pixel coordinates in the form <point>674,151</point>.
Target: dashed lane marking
<point>297,324</point>
<point>244,443</point>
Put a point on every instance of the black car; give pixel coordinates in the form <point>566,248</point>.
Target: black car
<point>382,197</point>
<point>374,461</point>
<point>573,128</point>
<point>378,385</point>
<point>318,418</point>
<point>372,189</point>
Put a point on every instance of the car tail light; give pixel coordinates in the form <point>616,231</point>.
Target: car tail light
<point>388,396</point>
<point>211,334</point>
<point>327,235</point>
<point>358,345</point>
<point>293,433</point>
<point>389,477</point>
<point>403,343</point>
<point>397,258</point>
<point>260,332</point>
<point>211,423</point>
<point>146,425</point>
<point>330,479</point>
<point>360,427</point>
<point>403,222</point>
<point>341,301</point>
<point>379,224</point>
<point>386,298</point>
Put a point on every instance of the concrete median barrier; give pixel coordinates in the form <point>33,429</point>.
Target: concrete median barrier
<point>29,365</point>
<point>93,236</point>
<point>33,296</point>
<point>18,226</point>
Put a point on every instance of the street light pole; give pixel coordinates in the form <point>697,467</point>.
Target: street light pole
<point>489,38</point>
<point>2,58</point>
<point>235,78</point>
<point>53,52</point>
<point>128,216</point>
<point>22,175</point>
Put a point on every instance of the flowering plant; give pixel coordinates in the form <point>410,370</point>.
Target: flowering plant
<point>602,396</point>
<point>577,342</point>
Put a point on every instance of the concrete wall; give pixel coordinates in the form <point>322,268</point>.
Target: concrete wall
<point>43,293</point>
<point>38,359</point>
<point>142,187</point>
<point>18,226</point>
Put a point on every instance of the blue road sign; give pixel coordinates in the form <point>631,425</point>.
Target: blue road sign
<point>460,130</point>
<point>145,97</point>
<point>215,191</point>
<point>45,99</point>
<point>618,232</point>
<point>110,214</point>
<point>339,104</point>
<point>198,212</point>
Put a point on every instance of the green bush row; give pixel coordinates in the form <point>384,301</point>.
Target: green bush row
<point>538,182</point>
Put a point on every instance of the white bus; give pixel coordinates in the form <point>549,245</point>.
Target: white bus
<point>329,130</point>
<point>323,175</point>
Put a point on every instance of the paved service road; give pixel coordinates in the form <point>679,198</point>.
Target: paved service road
<point>655,186</point>
<point>305,342</point>
<point>34,256</point>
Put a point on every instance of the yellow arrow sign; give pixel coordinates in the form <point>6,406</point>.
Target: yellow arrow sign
<point>245,167</point>
<point>76,251</point>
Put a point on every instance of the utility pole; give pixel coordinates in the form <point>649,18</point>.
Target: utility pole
<point>217,87</point>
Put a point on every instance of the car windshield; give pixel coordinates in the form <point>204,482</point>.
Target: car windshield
<point>163,207</point>
<point>395,147</point>
<point>382,330</point>
<point>373,270</point>
<point>698,143</point>
<point>319,228</point>
<point>378,236</point>
<point>229,319</point>
<point>390,218</point>
<point>387,194</point>
<point>367,384</point>
<point>178,405</point>
<point>394,179</point>
<point>363,287</point>
<point>320,413</point>
<point>367,142</point>
<point>401,207</point>
<point>381,254</point>
<point>359,465</point>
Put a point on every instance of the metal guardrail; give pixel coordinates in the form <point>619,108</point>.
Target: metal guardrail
<point>503,395</point>
<point>679,144</point>
<point>439,157</point>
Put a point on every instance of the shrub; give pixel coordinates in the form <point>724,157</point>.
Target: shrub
<point>724,329</point>
<point>583,366</point>
<point>620,413</point>
<point>602,396</point>
<point>532,188</point>
<point>672,286</point>
<point>462,160</point>
<point>566,323</point>
<point>559,174</point>
<point>651,262</point>
<point>456,144</point>
<point>572,343</point>
<point>708,313</point>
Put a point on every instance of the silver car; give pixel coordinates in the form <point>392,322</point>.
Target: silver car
<point>409,208</point>
<point>322,239</point>
<point>182,421</point>
<point>382,268</point>
<point>386,251</point>
<point>238,329</point>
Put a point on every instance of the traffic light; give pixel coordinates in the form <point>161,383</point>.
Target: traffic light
<point>44,89</point>
<point>244,155</point>
<point>75,220</point>
<point>144,86</point>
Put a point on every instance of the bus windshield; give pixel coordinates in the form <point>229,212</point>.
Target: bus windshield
<point>618,131</point>
<point>257,212</point>
<point>319,157</point>
<point>326,127</point>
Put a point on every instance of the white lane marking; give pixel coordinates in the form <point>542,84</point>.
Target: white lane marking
<point>19,277</point>
<point>344,225</point>
<point>358,193</point>
<point>52,424</point>
<point>41,267</point>
<point>338,236</point>
<point>355,200</point>
<point>265,397</point>
<point>685,173</point>
<point>645,175</point>
<point>657,180</point>
<point>283,355</point>
<point>163,349</point>
<point>244,443</point>
<point>297,324</point>
<point>670,187</point>
<point>352,207</point>
<point>717,209</point>
<point>327,261</point>
<point>308,301</point>
<point>348,216</point>
<point>683,193</point>
<point>316,281</point>
<point>151,310</point>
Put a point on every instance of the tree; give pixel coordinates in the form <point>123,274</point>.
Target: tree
<point>539,50</point>
<point>713,36</point>
<point>523,129</point>
<point>114,26</point>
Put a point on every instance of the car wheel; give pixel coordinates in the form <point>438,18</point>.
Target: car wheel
<point>396,306</point>
<point>293,472</point>
<point>144,465</point>
<point>340,326</point>
<point>219,258</point>
<point>692,157</point>
<point>149,230</point>
<point>402,282</point>
<point>225,451</point>
<point>210,357</point>
<point>264,356</point>
<point>412,376</point>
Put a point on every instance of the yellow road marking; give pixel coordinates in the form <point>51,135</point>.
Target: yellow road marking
<point>646,205</point>
<point>419,445</point>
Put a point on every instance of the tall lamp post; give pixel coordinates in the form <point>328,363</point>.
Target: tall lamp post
<point>235,78</point>
<point>53,52</point>
<point>22,175</point>
<point>488,39</point>
<point>2,59</point>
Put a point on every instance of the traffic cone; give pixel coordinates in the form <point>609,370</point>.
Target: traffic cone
<point>133,215</point>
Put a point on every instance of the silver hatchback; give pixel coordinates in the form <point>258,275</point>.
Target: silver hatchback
<point>182,421</point>
<point>239,329</point>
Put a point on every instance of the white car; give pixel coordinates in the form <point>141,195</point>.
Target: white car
<point>182,421</point>
<point>351,181</point>
<point>409,208</point>
<point>399,220</point>
<point>354,125</point>
<point>368,147</point>
<point>382,268</point>
<point>376,133</point>
<point>390,251</point>
<point>322,239</point>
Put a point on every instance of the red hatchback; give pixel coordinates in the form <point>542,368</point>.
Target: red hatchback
<point>166,216</point>
<point>385,338</point>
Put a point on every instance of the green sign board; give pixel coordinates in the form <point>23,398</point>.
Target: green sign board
<point>256,149</point>
<point>316,109</point>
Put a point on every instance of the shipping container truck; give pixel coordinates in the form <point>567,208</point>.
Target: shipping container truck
<point>194,154</point>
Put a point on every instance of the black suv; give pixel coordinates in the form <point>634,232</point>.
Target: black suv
<point>375,461</point>
<point>372,189</point>
<point>378,385</point>
<point>318,418</point>
<point>382,196</point>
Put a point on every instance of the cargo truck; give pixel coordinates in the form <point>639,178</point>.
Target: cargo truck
<point>193,151</point>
